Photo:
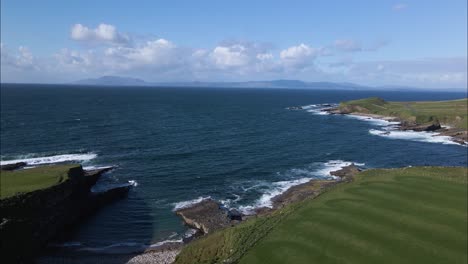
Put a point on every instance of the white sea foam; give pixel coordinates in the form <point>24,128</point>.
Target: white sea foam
<point>318,109</point>
<point>390,130</point>
<point>309,106</point>
<point>228,202</point>
<point>158,244</point>
<point>52,159</point>
<point>280,187</point>
<point>133,183</point>
<point>266,199</point>
<point>374,121</point>
<point>190,232</point>
<point>97,167</point>
<point>334,165</point>
<point>189,203</point>
<point>422,136</point>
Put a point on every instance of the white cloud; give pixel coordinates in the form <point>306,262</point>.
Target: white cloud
<point>399,7</point>
<point>265,56</point>
<point>160,59</point>
<point>297,52</point>
<point>298,57</point>
<point>102,33</point>
<point>22,58</point>
<point>230,56</point>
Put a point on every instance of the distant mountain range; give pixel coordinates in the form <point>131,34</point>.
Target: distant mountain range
<point>126,81</point>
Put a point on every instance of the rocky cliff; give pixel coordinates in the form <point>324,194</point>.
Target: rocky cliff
<point>31,220</point>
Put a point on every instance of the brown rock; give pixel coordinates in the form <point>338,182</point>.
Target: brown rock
<point>206,216</point>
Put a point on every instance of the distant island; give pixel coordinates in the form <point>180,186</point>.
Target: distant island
<point>292,84</point>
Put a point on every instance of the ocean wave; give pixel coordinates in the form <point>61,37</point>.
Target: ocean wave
<point>389,129</point>
<point>127,247</point>
<point>133,183</point>
<point>334,165</point>
<point>374,121</point>
<point>189,203</point>
<point>229,202</point>
<point>52,159</point>
<point>97,167</point>
<point>266,200</point>
<point>279,187</point>
<point>319,109</point>
<point>421,136</point>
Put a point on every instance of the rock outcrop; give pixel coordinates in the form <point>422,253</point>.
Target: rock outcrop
<point>31,220</point>
<point>431,126</point>
<point>346,173</point>
<point>298,193</point>
<point>206,216</point>
<point>14,166</point>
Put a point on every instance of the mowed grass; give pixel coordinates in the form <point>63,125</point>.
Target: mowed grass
<point>452,112</point>
<point>27,180</point>
<point>410,215</point>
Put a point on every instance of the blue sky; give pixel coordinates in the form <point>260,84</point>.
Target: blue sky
<point>411,43</point>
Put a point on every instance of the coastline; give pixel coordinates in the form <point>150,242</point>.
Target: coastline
<point>208,215</point>
<point>456,135</point>
<point>211,216</point>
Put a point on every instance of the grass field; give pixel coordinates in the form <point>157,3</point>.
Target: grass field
<point>411,215</point>
<point>452,113</point>
<point>28,180</point>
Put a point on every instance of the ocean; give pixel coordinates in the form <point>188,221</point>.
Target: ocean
<point>182,145</point>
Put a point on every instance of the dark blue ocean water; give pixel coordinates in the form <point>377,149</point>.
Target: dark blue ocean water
<point>240,146</point>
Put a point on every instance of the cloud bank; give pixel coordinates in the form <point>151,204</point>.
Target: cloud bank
<point>104,50</point>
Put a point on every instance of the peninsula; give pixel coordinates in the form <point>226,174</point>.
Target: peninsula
<point>448,118</point>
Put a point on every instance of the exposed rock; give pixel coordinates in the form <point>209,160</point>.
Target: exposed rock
<point>92,176</point>
<point>298,193</point>
<point>346,173</point>
<point>432,126</point>
<point>333,111</point>
<point>234,214</point>
<point>14,166</point>
<point>35,218</point>
<point>206,216</point>
<point>459,136</point>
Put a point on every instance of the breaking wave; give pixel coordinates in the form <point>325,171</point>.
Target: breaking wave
<point>51,159</point>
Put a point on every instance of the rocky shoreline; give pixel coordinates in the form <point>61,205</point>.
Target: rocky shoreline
<point>456,135</point>
<point>209,215</point>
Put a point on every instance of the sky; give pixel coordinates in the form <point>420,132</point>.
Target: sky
<point>378,43</point>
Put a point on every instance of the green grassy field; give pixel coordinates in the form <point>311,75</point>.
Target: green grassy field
<point>411,215</point>
<point>28,180</point>
<point>452,113</point>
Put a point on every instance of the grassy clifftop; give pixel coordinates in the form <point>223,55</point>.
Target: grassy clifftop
<point>453,113</point>
<point>408,215</point>
<point>21,181</point>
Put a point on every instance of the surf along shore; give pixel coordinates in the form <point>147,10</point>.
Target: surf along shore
<point>443,118</point>
<point>228,235</point>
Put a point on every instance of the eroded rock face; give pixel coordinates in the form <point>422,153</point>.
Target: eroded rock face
<point>432,126</point>
<point>31,220</point>
<point>206,216</point>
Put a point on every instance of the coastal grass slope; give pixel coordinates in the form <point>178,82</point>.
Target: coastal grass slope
<point>28,180</point>
<point>407,215</point>
<point>453,113</point>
